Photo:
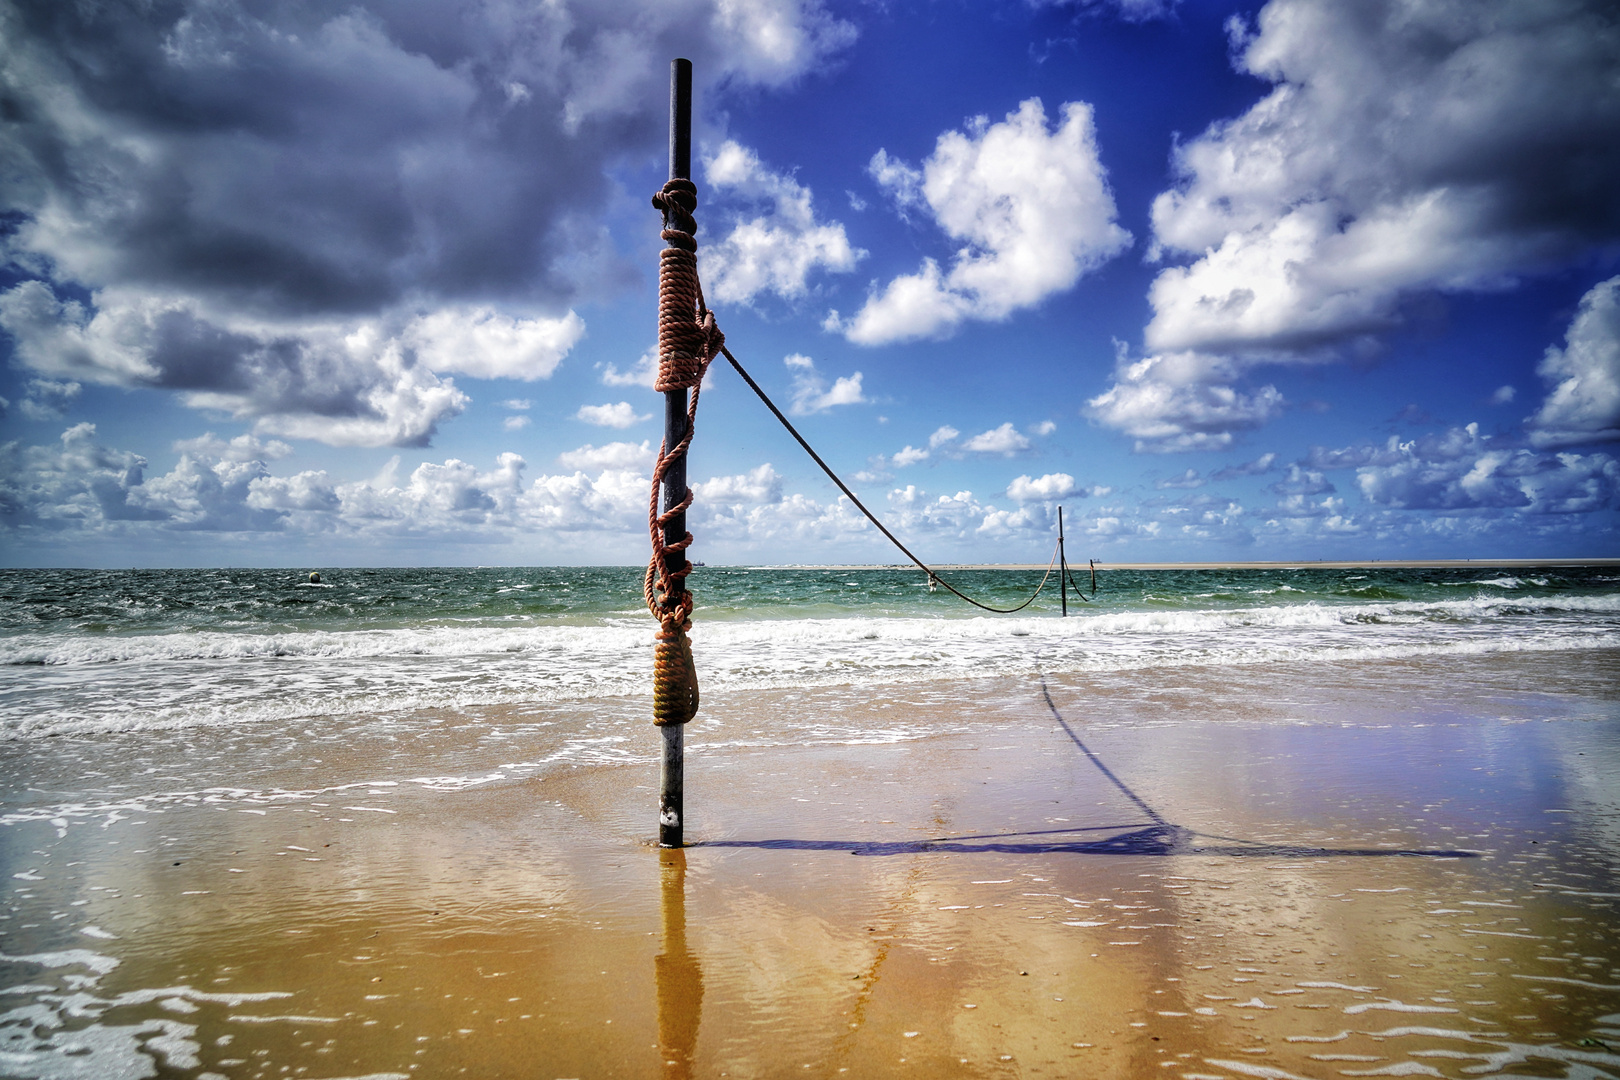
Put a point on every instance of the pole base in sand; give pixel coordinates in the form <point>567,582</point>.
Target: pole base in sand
<point>671,787</point>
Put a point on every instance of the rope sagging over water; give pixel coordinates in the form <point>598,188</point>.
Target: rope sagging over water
<point>933,576</point>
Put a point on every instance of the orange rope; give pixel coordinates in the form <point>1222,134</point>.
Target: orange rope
<point>688,340</point>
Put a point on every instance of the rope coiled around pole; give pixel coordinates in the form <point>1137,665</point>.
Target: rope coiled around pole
<point>688,341</point>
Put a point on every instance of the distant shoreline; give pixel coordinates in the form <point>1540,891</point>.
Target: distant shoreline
<point>1309,564</point>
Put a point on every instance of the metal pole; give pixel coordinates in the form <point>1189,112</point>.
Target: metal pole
<point>671,782</point>
<point>1063,567</point>
<point>1093,563</point>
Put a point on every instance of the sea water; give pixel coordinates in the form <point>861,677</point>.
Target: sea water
<point>87,651</point>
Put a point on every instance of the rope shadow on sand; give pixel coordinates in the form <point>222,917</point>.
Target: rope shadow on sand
<point>1160,837</point>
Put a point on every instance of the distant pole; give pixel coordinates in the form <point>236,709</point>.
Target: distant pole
<point>1093,563</point>
<point>671,774</point>
<point>1063,567</point>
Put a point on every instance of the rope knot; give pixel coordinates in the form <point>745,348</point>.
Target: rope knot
<point>688,341</point>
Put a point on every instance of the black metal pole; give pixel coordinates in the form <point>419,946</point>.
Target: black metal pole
<point>1063,567</point>
<point>671,773</point>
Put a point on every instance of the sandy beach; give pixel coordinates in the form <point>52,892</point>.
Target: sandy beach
<point>1401,868</point>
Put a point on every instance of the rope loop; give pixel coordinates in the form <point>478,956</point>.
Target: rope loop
<point>688,341</point>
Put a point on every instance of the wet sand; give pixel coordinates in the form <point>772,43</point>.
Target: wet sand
<point>1357,870</point>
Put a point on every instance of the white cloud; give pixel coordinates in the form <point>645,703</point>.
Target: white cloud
<point>1043,429</point>
<point>908,455</point>
<point>1031,207</point>
<point>488,345</point>
<point>517,404</point>
<point>617,455</point>
<point>644,374</point>
<point>1188,479</point>
<point>811,394</point>
<point>1407,146</point>
<point>1460,470</point>
<point>1042,489</point>
<point>345,385</point>
<point>1584,403</point>
<point>777,249</point>
<point>49,399</point>
<point>1181,401</point>
<point>515,423</point>
<point>773,42</point>
<point>1005,440</point>
<point>757,486</point>
<point>620,415</point>
<point>1259,466</point>
<point>942,435</point>
<point>209,447</point>
<point>1504,394</point>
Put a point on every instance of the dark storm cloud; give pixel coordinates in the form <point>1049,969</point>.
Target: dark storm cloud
<point>293,160</point>
<point>244,187</point>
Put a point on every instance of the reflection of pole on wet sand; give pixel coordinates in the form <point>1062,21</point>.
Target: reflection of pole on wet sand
<point>680,979</point>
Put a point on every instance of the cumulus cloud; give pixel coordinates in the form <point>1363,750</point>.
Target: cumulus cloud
<point>80,484</point>
<point>515,423</point>
<point>1005,440</point>
<point>811,394</point>
<point>1041,489</point>
<point>1188,479</point>
<point>1406,146</point>
<point>942,435</point>
<point>1181,401</point>
<point>1303,481</point>
<point>777,248</point>
<point>239,190</point>
<point>643,374</point>
<point>908,455</point>
<point>1258,467</point>
<point>486,344</point>
<point>1030,206</point>
<point>249,447</point>
<point>1462,470</point>
<point>617,455</point>
<point>343,384</point>
<point>759,485</point>
<point>620,415</point>
<point>1583,405</point>
<point>49,399</point>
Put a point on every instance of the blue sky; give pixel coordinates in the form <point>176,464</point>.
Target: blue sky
<point>293,284</point>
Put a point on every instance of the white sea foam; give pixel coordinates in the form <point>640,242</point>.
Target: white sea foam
<point>75,683</point>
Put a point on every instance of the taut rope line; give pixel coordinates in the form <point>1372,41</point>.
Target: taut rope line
<point>687,342</point>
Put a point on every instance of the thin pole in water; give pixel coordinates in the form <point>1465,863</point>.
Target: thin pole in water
<point>671,779</point>
<point>1063,567</point>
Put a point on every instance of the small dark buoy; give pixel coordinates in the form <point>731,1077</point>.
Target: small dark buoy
<point>314,577</point>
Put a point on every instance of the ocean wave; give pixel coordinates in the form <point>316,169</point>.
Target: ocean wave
<point>614,638</point>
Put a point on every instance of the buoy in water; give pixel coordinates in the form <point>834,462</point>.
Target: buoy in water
<point>314,577</point>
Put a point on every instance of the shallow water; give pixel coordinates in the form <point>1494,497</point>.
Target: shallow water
<point>1388,868</point>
